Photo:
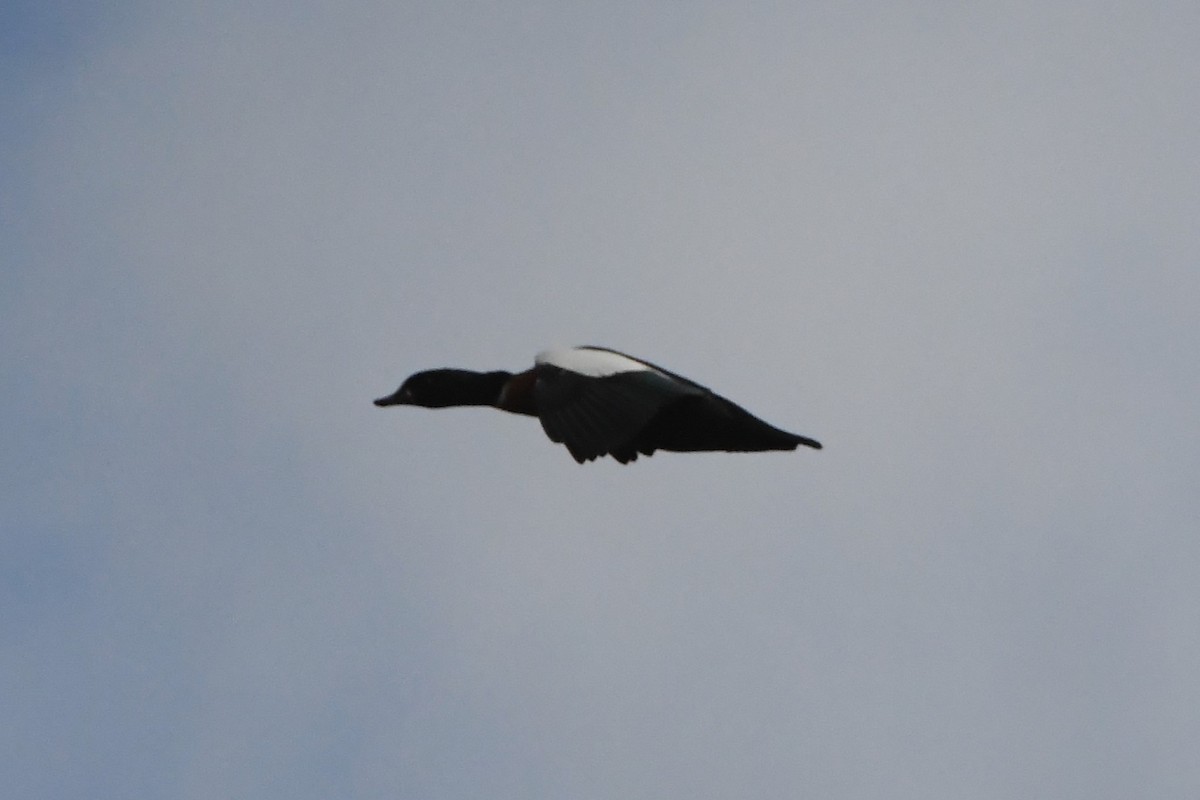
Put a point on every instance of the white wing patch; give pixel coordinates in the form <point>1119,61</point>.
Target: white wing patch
<point>592,363</point>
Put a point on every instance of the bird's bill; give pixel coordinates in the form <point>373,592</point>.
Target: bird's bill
<point>398,398</point>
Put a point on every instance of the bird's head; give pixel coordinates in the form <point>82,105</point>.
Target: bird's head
<point>443,388</point>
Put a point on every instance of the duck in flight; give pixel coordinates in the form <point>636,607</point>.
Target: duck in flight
<point>600,402</point>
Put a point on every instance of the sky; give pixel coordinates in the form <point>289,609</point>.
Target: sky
<point>957,245</point>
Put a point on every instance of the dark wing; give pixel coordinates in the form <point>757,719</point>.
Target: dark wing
<point>594,417</point>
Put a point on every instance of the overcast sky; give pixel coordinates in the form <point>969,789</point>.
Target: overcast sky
<point>958,244</point>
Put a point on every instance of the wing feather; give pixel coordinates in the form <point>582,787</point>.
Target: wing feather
<point>594,417</point>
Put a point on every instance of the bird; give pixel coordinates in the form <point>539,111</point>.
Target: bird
<point>602,402</point>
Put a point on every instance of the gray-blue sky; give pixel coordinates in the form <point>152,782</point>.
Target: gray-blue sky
<point>957,246</point>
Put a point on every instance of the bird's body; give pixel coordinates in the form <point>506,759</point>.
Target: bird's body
<point>599,402</point>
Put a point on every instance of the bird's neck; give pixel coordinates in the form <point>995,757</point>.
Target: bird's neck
<point>479,388</point>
